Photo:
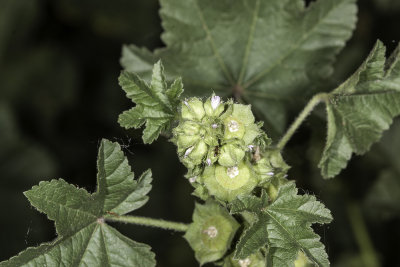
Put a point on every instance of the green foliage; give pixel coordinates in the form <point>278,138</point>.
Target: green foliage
<point>270,54</point>
<point>284,226</point>
<point>83,236</point>
<point>155,104</point>
<point>264,52</point>
<point>361,108</point>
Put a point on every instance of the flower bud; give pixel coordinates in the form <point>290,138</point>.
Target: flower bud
<point>231,154</point>
<point>226,183</point>
<point>194,155</point>
<point>254,260</point>
<point>187,134</point>
<point>192,109</point>
<point>264,170</point>
<point>185,141</point>
<point>214,106</point>
<point>211,233</point>
<point>233,128</point>
<point>240,124</point>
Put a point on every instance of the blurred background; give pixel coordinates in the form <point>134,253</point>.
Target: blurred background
<point>59,95</point>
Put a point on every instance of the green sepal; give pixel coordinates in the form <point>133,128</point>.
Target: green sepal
<point>231,154</point>
<point>239,124</point>
<point>211,232</point>
<point>254,260</point>
<point>186,135</point>
<point>194,155</point>
<point>226,183</point>
<point>192,109</point>
<point>214,106</point>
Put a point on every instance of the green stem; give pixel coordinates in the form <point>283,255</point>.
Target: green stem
<point>368,254</point>
<point>302,116</point>
<point>159,223</point>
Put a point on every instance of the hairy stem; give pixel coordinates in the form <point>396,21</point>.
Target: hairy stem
<point>159,223</point>
<point>318,98</point>
<point>368,254</point>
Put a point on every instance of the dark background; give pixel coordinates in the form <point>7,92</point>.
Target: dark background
<point>59,95</point>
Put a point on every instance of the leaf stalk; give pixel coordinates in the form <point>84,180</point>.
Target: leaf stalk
<point>158,223</point>
<point>315,100</point>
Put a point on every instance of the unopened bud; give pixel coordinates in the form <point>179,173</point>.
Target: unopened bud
<point>188,151</point>
<point>215,101</point>
<point>213,106</point>
<point>231,154</point>
<point>193,109</point>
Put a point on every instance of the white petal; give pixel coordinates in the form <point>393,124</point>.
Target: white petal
<point>215,101</point>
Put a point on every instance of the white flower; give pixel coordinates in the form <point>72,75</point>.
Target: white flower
<point>233,171</point>
<point>211,231</point>
<point>188,151</point>
<point>233,126</point>
<point>245,263</point>
<point>192,179</point>
<point>215,101</point>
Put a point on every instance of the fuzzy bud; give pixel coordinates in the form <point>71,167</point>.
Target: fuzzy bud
<point>231,154</point>
<point>211,233</point>
<point>192,109</point>
<point>214,106</point>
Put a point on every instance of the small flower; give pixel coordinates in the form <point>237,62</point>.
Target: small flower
<point>215,101</point>
<point>245,263</point>
<point>208,161</point>
<point>254,260</point>
<point>192,179</point>
<point>188,151</point>
<point>232,171</point>
<point>211,231</point>
<point>233,126</point>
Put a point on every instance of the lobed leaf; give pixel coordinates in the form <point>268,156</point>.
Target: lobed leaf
<point>284,226</point>
<point>84,239</point>
<point>156,105</point>
<point>361,109</point>
<point>265,52</point>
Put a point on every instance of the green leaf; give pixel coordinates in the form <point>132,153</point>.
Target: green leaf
<point>84,239</point>
<point>155,104</point>
<point>361,109</point>
<point>266,52</point>
<point>284,226</point>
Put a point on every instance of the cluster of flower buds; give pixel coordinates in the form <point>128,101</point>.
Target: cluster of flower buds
<point>224,149</point>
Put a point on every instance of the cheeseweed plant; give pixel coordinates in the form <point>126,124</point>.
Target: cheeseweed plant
<point>239,61</point>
